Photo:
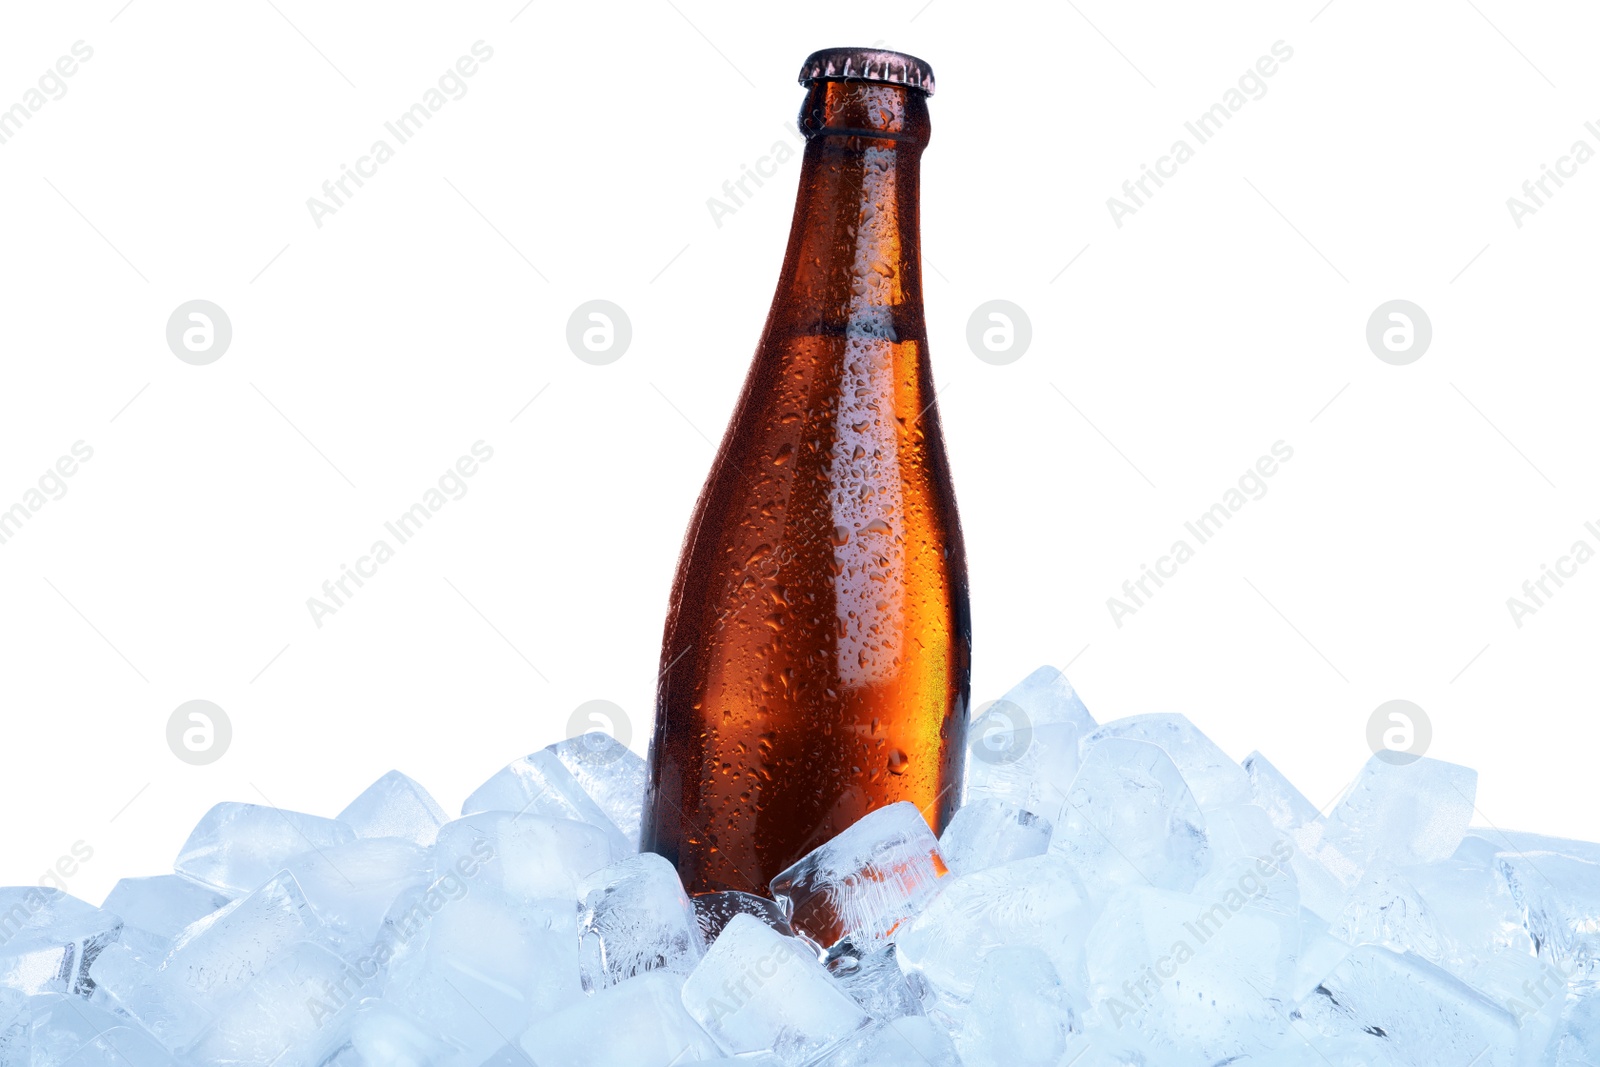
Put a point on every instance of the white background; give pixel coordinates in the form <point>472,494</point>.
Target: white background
<point>368,354</point>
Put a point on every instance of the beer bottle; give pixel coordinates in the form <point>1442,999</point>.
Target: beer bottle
<point>816,658</point>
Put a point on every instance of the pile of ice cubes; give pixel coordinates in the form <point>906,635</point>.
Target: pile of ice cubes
<point>1118,895</point>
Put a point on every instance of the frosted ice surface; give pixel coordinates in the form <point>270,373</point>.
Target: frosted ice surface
<point>640,1022</point>
<point>1402,814</point>
<point>1176,973</point>
<point>155,910</point>
<point>527,856</point>
<point>1403,1006</point>
<point>988,832</point>
<point>48,940</point>
<point>1024,747</point>
<point>1020,1015</point>
<point>865,882</point>
<point>1038,902</point>
<point>1213,778</point>
<point>1285,805</point>
<point>713,911</point>
<point>239,846</point>
<point>395,806</point>
<point>612,775</point>
<point>1129,819</point>
<point>633,917</point>
<point>756,990</point>
<point>540,784</point>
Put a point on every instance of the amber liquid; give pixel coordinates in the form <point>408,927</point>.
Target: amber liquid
<point>816,658</point>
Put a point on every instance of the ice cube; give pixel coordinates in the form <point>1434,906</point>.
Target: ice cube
<point>876,982</point>
<point>637,1023</point>
<point>239,846</point>
<point>529,857</point>
<point>395,806</point>
<point>864,883</point>
<point>1558,894</point>
<point>155,910</point>
<point>1402,814</point>
<point>1038,902</point>
<point>1129,819</point>
<point>612,775</point>
<point>714,910</point>
<point>1023,748</point>
<point>1020,1015</point>
<point>48,940</point>
<point>1403,1006</point>
<point>757,990</point>
<point>490,966</point>
<point>634,917</point>
<point>383,1036</point>
<point>540,784</point>
<point>1206,978</point>
<point>1246,849</point>
<point>297,1012</point>
<point>136,988</point>
<point>1285,805</point>
<point>15,1021</point>
<point>909,1041</point>
<point>351,886</point>
<point>1213,778</point>
<point>211,963</point>
<point>1575,1041</point>
<point>66,1032</point>
<point>988,832</point>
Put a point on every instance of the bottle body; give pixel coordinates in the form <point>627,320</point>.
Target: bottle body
<point>817,650</point>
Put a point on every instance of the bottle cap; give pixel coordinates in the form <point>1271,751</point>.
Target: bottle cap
<point>867,64</point>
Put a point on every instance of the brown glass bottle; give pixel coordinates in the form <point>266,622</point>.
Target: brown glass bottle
<point>816,658</point>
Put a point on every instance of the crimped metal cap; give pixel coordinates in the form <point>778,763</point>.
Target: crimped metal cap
<point>868,64</point>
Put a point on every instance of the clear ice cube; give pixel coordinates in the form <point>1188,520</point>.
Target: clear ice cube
<point>395,806</point>
<point>1020,1015</point>
<point>297,1012</point>
<point>1129,819</point>
<point>988,832</point>
<point>864,883</point>
<point>1024,747</point>
<point>756,990</point>
<point>1176,974</point>
<point>48,940</point>
<point>1402,814</point>
<point>1213,778</point>
<point>530,857</point>
<point>610,773</point>
<point>1039,902</point>
<point>540,784</point>
<point>237,847</point>
<point>633,917</point>
<point>1401,1005</point>
<point>155,910</point>
<point>637,1023</point>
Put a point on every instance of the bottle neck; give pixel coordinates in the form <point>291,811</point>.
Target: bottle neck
<point>854,264</point>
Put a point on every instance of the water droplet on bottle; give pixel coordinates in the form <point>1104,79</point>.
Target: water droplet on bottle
<point>898,761</point>
<point>841,535</point>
